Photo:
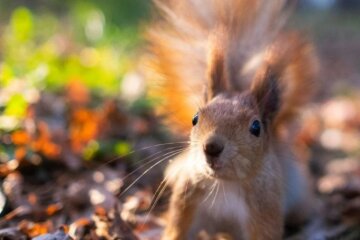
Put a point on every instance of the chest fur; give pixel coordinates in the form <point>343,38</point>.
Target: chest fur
<point>222,209</point>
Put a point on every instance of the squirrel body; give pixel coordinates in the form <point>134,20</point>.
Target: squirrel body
<point>238,176</point>
<point>224,206</point>
<point>247,200</point>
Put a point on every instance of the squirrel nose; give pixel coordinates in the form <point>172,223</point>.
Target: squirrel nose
<point>213,148</point>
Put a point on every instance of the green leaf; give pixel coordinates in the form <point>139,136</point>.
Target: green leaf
<point>16,106</point>
<point>91,149</point>
<point>122,148</point>
<point>22,24</point>
<point>6,74</point>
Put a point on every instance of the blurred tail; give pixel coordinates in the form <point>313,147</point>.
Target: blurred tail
<point>181,44</point>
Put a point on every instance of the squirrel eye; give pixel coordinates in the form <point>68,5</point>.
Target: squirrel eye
<point>255,128</point>
<point>195,119</point>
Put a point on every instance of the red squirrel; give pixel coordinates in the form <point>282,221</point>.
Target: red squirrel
<point>239,175</point>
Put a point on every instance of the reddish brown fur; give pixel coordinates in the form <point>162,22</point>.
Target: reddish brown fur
<point>179,47</point>
<point>212,45</point>
<point>218,79</point>
<point>292,61</point>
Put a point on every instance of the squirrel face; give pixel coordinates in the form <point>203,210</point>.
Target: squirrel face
<point>229,137</point>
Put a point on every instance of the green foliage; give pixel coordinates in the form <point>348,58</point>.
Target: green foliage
<point>43,50</point>
<point>91,150</point>
<point>16,106</point>
<point>48,45</point>
<point>21,25</point>
<point>122,148</point>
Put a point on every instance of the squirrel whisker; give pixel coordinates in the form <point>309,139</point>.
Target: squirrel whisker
<point>149,161</point>
<point>223,189</point>
<point>173,153</point>
<point>212,188</point>
<point>143,149</point>
<point>159,191</point>
<point>157,195</point>
<point>216,193</point>
<point>149,158</point>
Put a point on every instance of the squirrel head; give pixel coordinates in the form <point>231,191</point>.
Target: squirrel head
<point>230,136</point>
<point>233,132</point>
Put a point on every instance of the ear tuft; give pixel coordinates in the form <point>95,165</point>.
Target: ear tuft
<point>285,82</point>
<point>217,79</point>
<point>267,93</point>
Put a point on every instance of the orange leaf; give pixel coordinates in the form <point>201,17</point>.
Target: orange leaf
<point>53,208</point>
<point>35,229</point>
<point>82,222</point>
<point>77,92</point>
<point>50,150</point>
<point>44,144</point>
<point>84,127</point>
<point>20,153</point>
<point>20,137</point>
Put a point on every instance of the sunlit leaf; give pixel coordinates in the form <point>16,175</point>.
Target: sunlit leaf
<point>9,123</point>
<point>44,144</point>
<point>90,150</point>
<point>122,148</point>
<point>16,106</point>
<point>84,127</point>
<point>6,74</point>
<point>53,209</point>
<point>20,137</point>
<point>77,93</point>
<point>22,24</point>
<point>36,229</point>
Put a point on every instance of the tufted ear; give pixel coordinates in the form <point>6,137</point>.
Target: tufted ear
<point>285,81</point>
<point>217,72</point>
<point>267,91</point>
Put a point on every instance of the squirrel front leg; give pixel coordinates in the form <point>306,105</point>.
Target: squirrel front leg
<point>183,203</point>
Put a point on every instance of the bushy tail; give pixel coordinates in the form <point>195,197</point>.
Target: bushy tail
<point>182,39</point>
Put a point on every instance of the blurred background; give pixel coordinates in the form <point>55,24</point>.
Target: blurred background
<point>75,120</point>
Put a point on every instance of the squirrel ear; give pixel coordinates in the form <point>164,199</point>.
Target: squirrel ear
<point>267,92</point>
<point>285,82</point>
<point>217,73</point>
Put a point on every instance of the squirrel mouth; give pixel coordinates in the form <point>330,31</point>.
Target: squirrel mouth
<point>216,166</point>
<point>215,169</point>
<point>214,163</point>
